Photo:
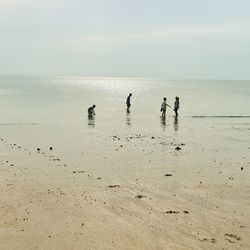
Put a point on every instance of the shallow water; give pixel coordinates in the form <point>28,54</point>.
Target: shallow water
<point>70,184</point>
<point>32,99</point>
<point>43,111</point>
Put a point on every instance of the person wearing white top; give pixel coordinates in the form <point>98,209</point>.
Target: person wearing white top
<point>164,106</point>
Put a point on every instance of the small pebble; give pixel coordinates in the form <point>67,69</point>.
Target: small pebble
<point>168,175</point>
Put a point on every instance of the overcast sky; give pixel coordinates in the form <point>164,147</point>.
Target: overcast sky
<point>173,39</point>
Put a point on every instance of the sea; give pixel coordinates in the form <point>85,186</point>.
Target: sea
<point>45,111</point>
<point>46,99</point>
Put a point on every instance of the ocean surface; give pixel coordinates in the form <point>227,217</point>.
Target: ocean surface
<point>53,110</point>
<point>40,99</point>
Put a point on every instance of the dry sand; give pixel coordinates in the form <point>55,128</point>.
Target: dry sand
<point>136,192</point>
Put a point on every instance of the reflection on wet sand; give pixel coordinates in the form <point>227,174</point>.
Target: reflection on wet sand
<point>176,124</point>
<point>163,122</point>
<point>128,118</point>
<point>91,120</point>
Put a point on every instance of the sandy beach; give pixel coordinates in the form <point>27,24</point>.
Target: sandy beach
<point>124,125</point>
<point>185,188</point>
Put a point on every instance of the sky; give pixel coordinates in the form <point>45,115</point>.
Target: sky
<point>171,39</point>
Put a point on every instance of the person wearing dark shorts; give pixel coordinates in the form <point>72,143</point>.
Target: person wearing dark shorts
<point>164,106</point>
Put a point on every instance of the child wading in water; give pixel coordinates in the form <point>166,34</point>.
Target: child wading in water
<point>91,111</point>
<point>164,107</point>
<point>176,105</point>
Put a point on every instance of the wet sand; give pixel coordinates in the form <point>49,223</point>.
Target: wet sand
<point>184,188</point>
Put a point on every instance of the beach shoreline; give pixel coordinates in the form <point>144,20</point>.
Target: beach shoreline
<point>126,191</point>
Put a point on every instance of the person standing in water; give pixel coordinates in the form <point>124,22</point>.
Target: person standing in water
<point>128,101</point>
<point>91,111</point>
<point>176,105</point>
<point>164,106</point>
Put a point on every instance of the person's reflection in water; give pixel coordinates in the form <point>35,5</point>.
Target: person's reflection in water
<point>91,120</point>
<point>163,122</point>
<point>176,124</point>
<point>128,117</point>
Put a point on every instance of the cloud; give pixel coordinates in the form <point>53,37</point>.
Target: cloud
<point>13,4</point>
<point>194,30</point>
<point>239,30</point>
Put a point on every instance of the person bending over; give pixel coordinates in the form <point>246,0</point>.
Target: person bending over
<point>91,110</point>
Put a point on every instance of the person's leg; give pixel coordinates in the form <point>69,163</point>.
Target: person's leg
<point>176,113</point>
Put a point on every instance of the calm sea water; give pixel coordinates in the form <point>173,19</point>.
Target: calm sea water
<point>40,99</point>
<point>40,112</point>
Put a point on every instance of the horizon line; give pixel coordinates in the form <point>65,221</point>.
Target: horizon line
<point>123,77</point>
